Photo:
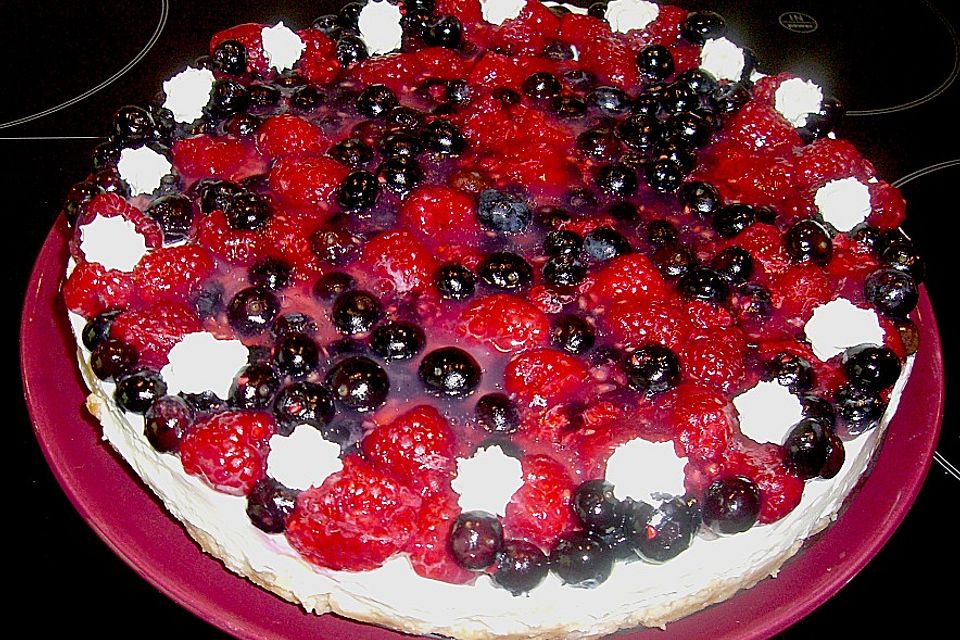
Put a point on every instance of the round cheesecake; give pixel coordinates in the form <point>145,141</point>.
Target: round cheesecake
<point>492,319</point>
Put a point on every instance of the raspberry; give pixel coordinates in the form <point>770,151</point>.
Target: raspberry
<point>307,183</point>
<point>635,324</point>
<point>760,126</point>
<point>318,63</point>
<point>665,30</point>
<point>704,315</point>
<point>800,290</point>
<point>209,156</point>
<point>528,32</point>
<point>249,35</point>
<point>288,136</point>
<point>715,357</point>
<point>549,299</point>
<point>228,450</point>
<point>399,261</point>
<point>889,207</point>
<point>428,546</point>
<point>535,165</point>
<point>172,274</point>
<point>416,448</point>
<point>238,247</point>
<point>396,71</point>
<point>765,245</point>
<point>608,57</point>
<point>627,278</point>
<point>780,490</point>
<point>542,376</point>
<point>828,159</point>
<point>155,330</point>
<point>110,204</point>
<point>288,234</point>
<point>506,322</point>
<point>494,70</point>
<point>851,259</point>
<point>438,63</point>
<point>602,427</point>
<point>745,174</point>
<point>539,511</point>
<point>702,420</point>
<point>441,212</point>
<point>355,520</point>
<point>91,289</point>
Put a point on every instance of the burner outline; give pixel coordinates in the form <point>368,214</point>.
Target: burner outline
<point>919,173</point>
<point>161,24</point>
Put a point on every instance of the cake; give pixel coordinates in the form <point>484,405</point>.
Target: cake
<point>492,319</point>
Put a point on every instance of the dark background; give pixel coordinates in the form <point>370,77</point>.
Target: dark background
<point>893,64</point>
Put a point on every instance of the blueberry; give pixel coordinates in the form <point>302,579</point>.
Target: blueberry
<point>701,81</point>
<point>731,505</point>
<point>263,96</point>
<point>674,260</point>
<point>306,98</point>
<point>754,302</point>
<point>813,406</point>
<point>216,194</point>
<point>573,334</point>
<point>269,504</point>
<point>581,559</point>
<point>348,17</point>
<point>271,274</point>
<point>252,310</point>
<point>568,106</point>
<point>230,56</point>
<point>332,284</point>
<point>446,32</point>
<point>254,387</point>
<point>454,281</point>
<point>296,355</point>
<point>735,263</point>
<point>700,198</point>
<point>137,391</point>
<point>664,175</point>
<point>662,533</point>
<point>596,507</point>
<point>564,270</point>
<point>505,270</point>
<point>248,211</point>
<point>871,367</point>
<point>398,340</point>
<point>808,241</point>
<point>677,152</point>
<point>790,371</point>
<point>355,312</point>
<point>376,100</point>
<point>902,257</point>
<point>208,300</point>
<point>559,51</point>
<point>400,144</point>
<point>858,409</point>
<point>503,212</point>
<point>610,100</point>
<point>293,322</point>
<point>549,217</point>
<point>443,137</point>
<point>174,215</point>
<point>542,85</point>
<point>404,118</point>
<point>507,97</point>
<point>497,413</point>
<point>729,220</point>
<point>359,383</point>
<point>598,10</point>
<point>836,455</point>
<point>825,120</point>
<point>640,132</point>
<point>647,104</point>
<point>730,97</point>
<point>599,143</point>
<point>166,422</point>
<point>476,538</point>
<point>806,448</point>
<point>350,49</point>
<point>359,191</point>
<point>562,242</point>
<point>661,232</point>
<point>352,152</point>
<point>106,154</point>
<point>703,283</point>
<point>336,246</point>
<point>617,180</point>
<point>520,566</point>
<point>700,26</point>
<point>228,97</point>
<point>111,359</point>
<point>243,125</point>
<point>449,371</point>
<point>604,243</point>
<point>134,124</point>
<point>401,174</point>
<point>655,61</point>
<point>892,292</point>
<point>97,328</point>
<point>302,403</point>
<point>652,369</point>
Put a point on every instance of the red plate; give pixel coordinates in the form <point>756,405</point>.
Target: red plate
<point>127,517</point>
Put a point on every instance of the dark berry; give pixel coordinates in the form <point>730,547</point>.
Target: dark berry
<point>400,174</point>
<point>350,49</point>
<point>604,243</point>
<point>567,106</point>
<point>243,125</point>
<point>359,191</point>
<point>205,402</point>
<point>404,118</point>
<point>562,242</point>
<point>503,212</point>
<point>564,270</point>
<point>332,284</point>
<point>505,270</point>
<point>731,505</point>
<point>610,100</point>
<point>106,154</point>
<point>336,246</point>
<point>559,51</point>
<point>348,17</point>
<point>581,559</point>
<point>573,334</point>
<point>398,340</point>
<point>813,406</point>
<point>248,211</point>
<point>597,508</point>
<point>661,232</point>
<point>617,180</point>
<point>655,61</point>
<point>166,422</point>
<point>97,328</point>
<point>137,391</point>
<point>507,97</point>
<point>400,144</point>
<point>674,260</point>
<point>302,403</point>
<point>729,220</point>
<point>78,197</point>
<point>352,152</point>
<point>443,137</point>
<point>893,293</point>
<point>730,97</point>
<point>871,367</point>
<point>228,97</point>
<point>805,448</point>
<point>476,538</point>
<point>703,283</point>
<point>652,369</point>
<point>296,355</point>
<point>355,312</point>
<point>454,281</point>
<point>376,100</point>
<point>700,198</point>
<point>542,85</point>
<point>216,194</point>
<point>230,57</point>
<point>858,409</point>
<point>664,175</point>
<point>664,532</point>
<point>790,371</point>
<point>254,387</point>
<point>359,383</point>
<point>735,263</point>
<point>269,504</point>
<point>174,214</point>
<point>836,455</point>
<point>598,10</point>
<point>134,124</point>
<point>270,273</point>
<point>640,132</point>
<point>208,301</point>
<point>450,371</point>
<point>446,32</point>
<point>702,82</point>
<point>903,257</point>
<point>293,322</point>
<point>827,119</point>
<point>113,358</point>
<point>600,144</point>
<point>520,566</point>
<point>754,302</point>
<point>497,413</point>
<point>808,241</point>
<point>263,96</point>
<point>700,26</point>
<point>252,310</point>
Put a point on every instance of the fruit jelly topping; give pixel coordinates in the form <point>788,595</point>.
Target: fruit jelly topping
<point>533,234</point>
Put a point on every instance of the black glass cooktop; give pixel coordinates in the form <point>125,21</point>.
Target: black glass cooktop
<point>68,66</point>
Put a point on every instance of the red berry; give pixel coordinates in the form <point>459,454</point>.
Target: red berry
<point>528,32</point>
<point>237,246</point>
<point>715,357</point>
<point>355,520</point>
<point>416,448</point>
<point>207,156</point>
<point>889,207</point>
<point>249,35</point>
<point>760,126</point>
<point>172,274</point>
<point>542,376</point>
<point>399,261</point>
<point>288,236</point>
<point>440,212</point>
<point>829,159</point>
<point>540,512</point>
<point>318,63</point>
<point>603,427</point>
<point>506,322</point>
<point>627,278</point>
<point>307,183</point>
<point>800,289</point>
<point>702,419</point>
<point>155,330</point>
<point>289,136</point>
<point>91,289</point>
<point>109,205</point>
<point>228,450</point>
<point>780,490</point>
<point>428,547</point>
<point>635,324</point>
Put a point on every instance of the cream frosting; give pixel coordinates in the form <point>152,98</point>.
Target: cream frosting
<point>844,203</point>
<point>380,29</point>
<point>113,242</point>
<point>796,99</point>
<point>627,15</point>
<point>838,325</point>
<point>487,480</point>
<point>499,11</point>
<point>767,411</point>
<point>142,169</point>
<point>722,59</point>
<point>640,469</point>
<point>303,459</point>
<point>281,46</point>
<point>187,93</point>
<point>200,362</point>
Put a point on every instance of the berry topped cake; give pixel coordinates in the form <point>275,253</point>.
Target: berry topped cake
<point>487,318</point>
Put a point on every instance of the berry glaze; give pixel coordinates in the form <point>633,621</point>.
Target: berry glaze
<point>543,235</point>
